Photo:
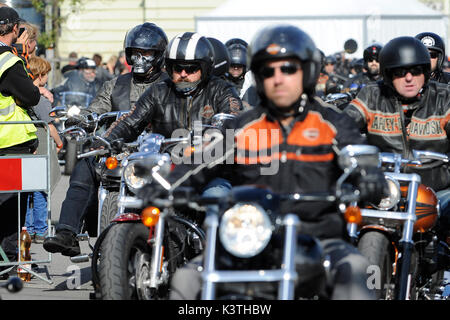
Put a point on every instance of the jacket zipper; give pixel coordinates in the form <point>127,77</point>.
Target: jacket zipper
<point>404,133</point>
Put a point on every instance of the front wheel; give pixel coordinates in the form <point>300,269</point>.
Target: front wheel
<point>109,209</point>
<point>376,247</point>
<point>124,264</point>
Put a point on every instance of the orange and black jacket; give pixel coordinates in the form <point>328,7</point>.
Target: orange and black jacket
<point>396,126</point>
<point>302,160</point>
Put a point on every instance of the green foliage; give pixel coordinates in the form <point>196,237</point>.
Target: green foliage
<point>51,10</point>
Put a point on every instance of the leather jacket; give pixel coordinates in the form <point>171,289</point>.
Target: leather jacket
<point>300,158</point>
<point>165,110</point>
<point>393,126</point>
<point>122,92</point>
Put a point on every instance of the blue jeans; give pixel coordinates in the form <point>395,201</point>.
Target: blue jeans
<point>36,217</point>
<point>218,187</point>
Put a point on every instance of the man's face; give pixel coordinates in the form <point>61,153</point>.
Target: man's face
<point>89,74</point>
<point>186,72</point>
<point>408,81</point>
<point>236,70</point>
<point>283,81</point>
<point>329,68</point>
<point>373,66</point>
<point>434,59</point>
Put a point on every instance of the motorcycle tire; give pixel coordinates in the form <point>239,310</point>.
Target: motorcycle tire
<point>109,209</point>
<point>124,244</point>
<point>375,246</point>
<point>70,156</point>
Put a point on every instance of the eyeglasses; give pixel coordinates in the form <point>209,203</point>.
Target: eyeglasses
<point>188,68</point>
<point>372,60</point>
<point>401,72</point>
<point>236,66</point>
<point>433,54</point>
<point>287,68</point>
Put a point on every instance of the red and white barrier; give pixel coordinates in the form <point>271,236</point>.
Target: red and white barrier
<point>23,174</point>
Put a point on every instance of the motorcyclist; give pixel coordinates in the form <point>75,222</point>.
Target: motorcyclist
<point>238,65</point>
<point>408,111</point>
<point>82,81</point>
<point>436,47</point>
<point>372,66</point>
<point>286,64</point>
<point>191,94</point>
<point>329,81</point>
<point>221,58</point>
<point>144,49</point>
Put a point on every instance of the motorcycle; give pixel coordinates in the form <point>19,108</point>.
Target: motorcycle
<point>69,104</point>
<point>251,248</point>
<point>135,256</point>
<point>397,235</point>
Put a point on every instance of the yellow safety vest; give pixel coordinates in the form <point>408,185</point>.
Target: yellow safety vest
<point>13,134</point>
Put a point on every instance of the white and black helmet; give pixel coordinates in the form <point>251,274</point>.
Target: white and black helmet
<point>190,47</point>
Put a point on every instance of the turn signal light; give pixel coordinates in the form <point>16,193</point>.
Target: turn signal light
<point>111,163</point>
<point>353,215</point>
<point>150,216</point>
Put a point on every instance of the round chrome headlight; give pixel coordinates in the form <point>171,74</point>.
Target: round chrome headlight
<point>134,182</point>
<point>245,230</point>
<point>394,195</point>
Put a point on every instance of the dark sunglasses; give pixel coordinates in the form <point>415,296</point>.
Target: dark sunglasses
<point>188,68</point>
<point>434,54</point>
<point>288,68</point>
<point>401,72</point>
<point>372,59</point>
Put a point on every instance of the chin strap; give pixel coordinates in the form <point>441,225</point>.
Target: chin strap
<point>292,111</point>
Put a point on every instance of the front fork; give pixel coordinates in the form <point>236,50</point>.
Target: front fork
<point>157,252</point>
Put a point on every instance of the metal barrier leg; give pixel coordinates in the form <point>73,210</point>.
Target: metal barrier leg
<point>33,174</point>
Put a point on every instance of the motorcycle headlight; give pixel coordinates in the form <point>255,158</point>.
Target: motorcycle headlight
<point>245,230</point>
<point>73,111</point>
<point>394,195</point>
<point>133,182</point>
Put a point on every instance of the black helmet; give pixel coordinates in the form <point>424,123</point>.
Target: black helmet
<point>330,60</point>
<point>285,41</point>
<point>238,54</point>
<point>433,42</point>
<point>221,57</point>
<point>146,36</point>
<point>236,41</point>
<point>190,47</point>
<point>86,63</point>
<point>403,52</point>
<point>372,52</point>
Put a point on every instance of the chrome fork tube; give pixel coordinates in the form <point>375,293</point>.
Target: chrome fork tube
<point>102,193</point>
<point>287,285</point>
<point>208,286</point>
<point>407,243</point>
<point>157,251</point>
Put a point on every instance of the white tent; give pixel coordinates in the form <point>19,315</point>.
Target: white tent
<point>329,22</point>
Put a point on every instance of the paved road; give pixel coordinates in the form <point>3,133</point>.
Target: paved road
<point>69,281</point>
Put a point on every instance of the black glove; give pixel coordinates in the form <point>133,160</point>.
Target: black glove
<point>371,184</point>
<point>150,192</point>
<point>73,121</point>
<point>97,144</point>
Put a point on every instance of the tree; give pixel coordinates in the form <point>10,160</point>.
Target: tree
<point>53,18</point>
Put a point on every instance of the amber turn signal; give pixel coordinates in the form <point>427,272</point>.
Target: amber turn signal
<point>150,216</point>
<point>111,163</point>
<point>353,215</point>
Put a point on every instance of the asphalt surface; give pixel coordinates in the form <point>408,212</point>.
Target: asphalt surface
<point>63,279</point>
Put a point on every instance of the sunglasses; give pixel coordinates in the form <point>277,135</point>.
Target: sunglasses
<point>401,72</point>
<point>434,54</point>
<point>288,69</point>
<point>188,68</point>
<point>372,59</point>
